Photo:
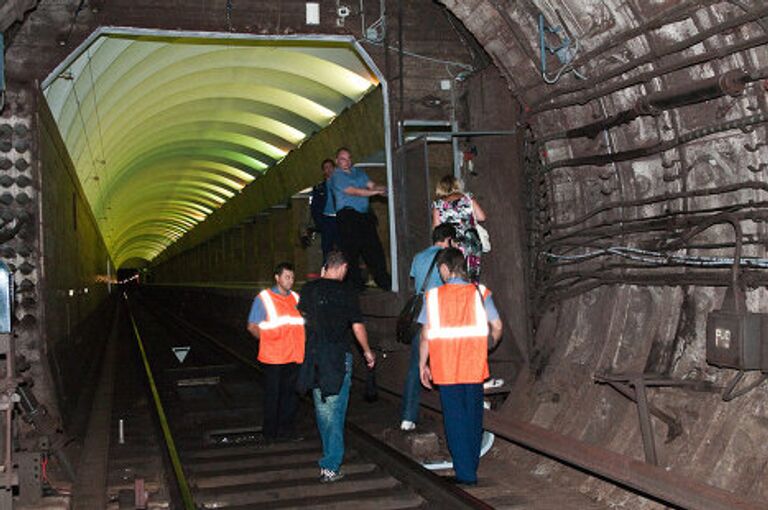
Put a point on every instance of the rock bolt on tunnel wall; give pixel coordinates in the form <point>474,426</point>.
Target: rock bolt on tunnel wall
<point>618,149</point>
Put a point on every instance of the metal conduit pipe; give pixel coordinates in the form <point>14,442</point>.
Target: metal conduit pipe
<point>736,290</point>
<point>599,91</point>
<point>675,14</point>
<point>595,84</point>
<point>591,280</point>
<point>662,223</point>
<point>748,185</point>
<point>730,83</point>
<point>605,159</point>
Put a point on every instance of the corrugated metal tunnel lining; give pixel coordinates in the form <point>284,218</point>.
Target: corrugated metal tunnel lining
<point>163,129</point>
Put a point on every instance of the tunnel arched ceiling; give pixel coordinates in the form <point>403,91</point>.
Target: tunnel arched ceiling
<point>163,129</point>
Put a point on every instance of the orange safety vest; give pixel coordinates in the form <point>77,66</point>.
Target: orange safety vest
<point>457,332</point>
<point>281,334</point>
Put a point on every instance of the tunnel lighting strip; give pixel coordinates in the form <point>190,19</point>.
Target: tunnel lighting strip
<point>186,494</point>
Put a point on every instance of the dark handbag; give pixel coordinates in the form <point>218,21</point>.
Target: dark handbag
<point>407,321</point>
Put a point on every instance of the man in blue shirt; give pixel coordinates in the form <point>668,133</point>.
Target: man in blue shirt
<point>276,323</point>
<point>324,212</point>
<point>351,189</point>
<point>423,268</point>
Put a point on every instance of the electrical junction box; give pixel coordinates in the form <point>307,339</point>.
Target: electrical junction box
<point>737,340</point>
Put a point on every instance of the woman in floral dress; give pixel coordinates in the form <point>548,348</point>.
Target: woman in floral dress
<point>460,209</point>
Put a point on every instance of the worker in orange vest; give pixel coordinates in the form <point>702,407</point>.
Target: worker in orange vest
<point>461,324</point>
<point>275,321</point>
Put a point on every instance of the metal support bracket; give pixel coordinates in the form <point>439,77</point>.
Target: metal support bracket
<point>634,386</point>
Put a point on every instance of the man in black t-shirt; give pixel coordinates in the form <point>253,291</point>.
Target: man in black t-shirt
<point>332,313</point>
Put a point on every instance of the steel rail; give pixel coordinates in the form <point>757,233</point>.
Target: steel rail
<point>181,479</point>
<point>434,487</point>
<point>648,479</point>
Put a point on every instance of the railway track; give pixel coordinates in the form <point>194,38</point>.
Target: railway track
<point>208,402</point>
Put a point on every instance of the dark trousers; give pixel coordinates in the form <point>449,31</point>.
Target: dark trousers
<point>280,400</point>
<point>463,421</point>
<point>329,235</point>
<point>358,237</point>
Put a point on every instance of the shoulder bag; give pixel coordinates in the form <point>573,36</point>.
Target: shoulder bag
<point>407,321</point>
<point>482,233</point>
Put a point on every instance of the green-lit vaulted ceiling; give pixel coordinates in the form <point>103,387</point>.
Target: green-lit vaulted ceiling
<point>163,130</point>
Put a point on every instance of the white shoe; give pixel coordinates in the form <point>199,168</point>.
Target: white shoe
<point>487,404</point>
<point>328,476</point>
<point>493,383</point>
<point>407,425</point>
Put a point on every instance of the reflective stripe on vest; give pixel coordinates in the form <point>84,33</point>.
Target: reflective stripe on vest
<point>281,338</point>
<point>457,334</point>
<point>273,320</point>
<point>436,330</point>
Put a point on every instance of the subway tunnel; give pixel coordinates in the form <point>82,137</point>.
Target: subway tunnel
<point>166,151</point>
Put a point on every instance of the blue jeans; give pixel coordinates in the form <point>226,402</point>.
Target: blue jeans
<point>412,389</point>
<point>330,420</point>
<point>463,421</point>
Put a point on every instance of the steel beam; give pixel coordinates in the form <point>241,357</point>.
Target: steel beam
<point>645,478</point>
<point>653,481</point>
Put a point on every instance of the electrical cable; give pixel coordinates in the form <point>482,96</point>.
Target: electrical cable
<point>417,55</point>
<point>662,259</point>
<point>568,66</point>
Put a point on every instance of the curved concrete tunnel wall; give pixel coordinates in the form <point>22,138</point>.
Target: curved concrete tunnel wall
<point>589,317</point>
<point>360,128</point>
<point>618,319</point>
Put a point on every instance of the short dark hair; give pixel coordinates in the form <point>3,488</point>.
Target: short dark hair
<point>342,149</point>
<point>443,232</point>
<point>327,160</point>
<point>283,266</point>
<point>454,261</point>
<point>335,259</point>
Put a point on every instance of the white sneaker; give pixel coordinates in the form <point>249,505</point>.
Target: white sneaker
<point>493,383</point>
<point>328,476</point>
<point>407,425</point>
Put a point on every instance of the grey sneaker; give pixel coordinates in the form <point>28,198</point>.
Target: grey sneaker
<point>328,476</point>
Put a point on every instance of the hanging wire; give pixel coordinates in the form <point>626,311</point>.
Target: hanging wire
<point>419,56</point>
<point>85,131</point>
<point>96,107</point>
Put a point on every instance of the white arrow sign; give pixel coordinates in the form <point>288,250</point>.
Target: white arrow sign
<point>181,352</point>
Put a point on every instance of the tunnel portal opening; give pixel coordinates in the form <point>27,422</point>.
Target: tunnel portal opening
<point>163,128</point>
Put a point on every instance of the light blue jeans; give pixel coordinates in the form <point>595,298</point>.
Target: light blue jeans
<point>412,389</point>
<point>331,415</point>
